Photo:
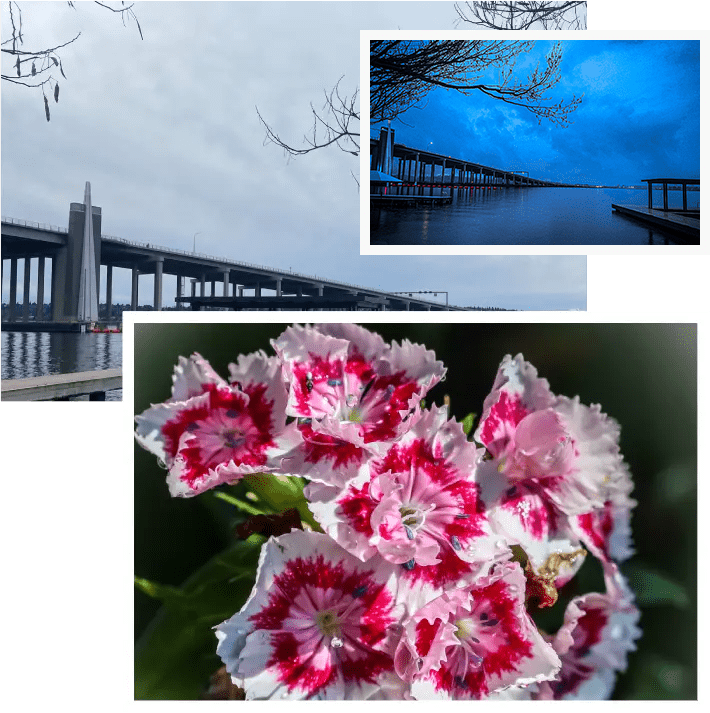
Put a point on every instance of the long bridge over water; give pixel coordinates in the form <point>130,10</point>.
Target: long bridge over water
<point>421,172</point>
<point>242,285</point>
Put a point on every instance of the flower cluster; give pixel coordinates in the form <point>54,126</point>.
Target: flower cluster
<point>435,548</point>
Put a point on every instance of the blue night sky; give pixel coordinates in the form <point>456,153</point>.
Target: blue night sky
<point>639,118</point>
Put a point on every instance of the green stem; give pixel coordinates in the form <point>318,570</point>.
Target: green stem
<point>245,507</point>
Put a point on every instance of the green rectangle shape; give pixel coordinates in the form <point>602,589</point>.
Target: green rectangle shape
<point>62,555</point>
<point>647,15</point>
<point>648,282</point>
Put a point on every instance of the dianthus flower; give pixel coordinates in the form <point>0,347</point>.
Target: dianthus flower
<point>551,473</point>
<point>210,431</point>
<point>318,624</point>
<point>474,641</point>
<point>599,631</point>
<point>417,505</point>
<point>351,393</point>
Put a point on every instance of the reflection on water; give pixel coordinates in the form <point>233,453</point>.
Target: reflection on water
<point>523,216</point>
<point>26,354</point>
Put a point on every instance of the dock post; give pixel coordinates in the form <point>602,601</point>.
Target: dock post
<point>650,194</point>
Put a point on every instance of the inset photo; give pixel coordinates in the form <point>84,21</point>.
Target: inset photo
<point>414,511</point>
<point>563,139</point>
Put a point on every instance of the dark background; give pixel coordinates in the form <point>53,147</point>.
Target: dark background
<point>643,375</point>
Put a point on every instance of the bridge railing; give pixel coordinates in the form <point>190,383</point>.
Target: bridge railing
<point>33,224</point>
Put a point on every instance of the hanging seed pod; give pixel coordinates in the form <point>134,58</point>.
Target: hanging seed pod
<point>56,92</point>
<point>46,107</point>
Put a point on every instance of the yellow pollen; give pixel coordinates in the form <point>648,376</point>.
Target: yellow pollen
<point>463,628</point>
<point>328,623</point>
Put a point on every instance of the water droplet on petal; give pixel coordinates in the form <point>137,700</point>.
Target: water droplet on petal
<point>336,643</point>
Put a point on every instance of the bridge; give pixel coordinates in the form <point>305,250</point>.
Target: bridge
<point>420,172</point>
<point>243,285</point>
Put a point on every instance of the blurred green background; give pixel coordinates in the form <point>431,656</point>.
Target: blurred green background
<point>643,375</point>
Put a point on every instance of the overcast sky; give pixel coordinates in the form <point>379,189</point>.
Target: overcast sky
<point>166,131</point>
<point>639,117</point>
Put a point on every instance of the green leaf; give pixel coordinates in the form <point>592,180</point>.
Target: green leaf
<point>240,504</point>
<point>176,655</point>
<point>654,588</point>
<point>467,423</point>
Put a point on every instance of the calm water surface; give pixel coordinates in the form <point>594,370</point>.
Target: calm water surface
<point>26,354</point>
<point>527,216</point>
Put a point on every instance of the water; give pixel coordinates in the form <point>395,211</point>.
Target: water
<point>527,216</point>
<point>26,354</point>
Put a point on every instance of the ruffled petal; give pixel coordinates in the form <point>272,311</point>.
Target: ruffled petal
<point>319,623</point>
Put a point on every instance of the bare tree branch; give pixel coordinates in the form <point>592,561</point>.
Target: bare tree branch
<point>333,124</point>
<point>523,15</point>
<point>402,72</point>
<point>33,67</point>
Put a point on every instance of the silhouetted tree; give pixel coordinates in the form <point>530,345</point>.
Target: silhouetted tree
<point>402,72</point>
<point>33,68</point>
<point>524,15</point>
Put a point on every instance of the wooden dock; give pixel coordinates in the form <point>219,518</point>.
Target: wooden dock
<point>687,228</point>
<point>63,386</point>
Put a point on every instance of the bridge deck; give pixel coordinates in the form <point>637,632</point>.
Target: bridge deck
<point>684,225</point>
<point>62,386</point>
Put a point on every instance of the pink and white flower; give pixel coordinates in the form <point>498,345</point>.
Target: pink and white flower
<point>417,505</point>
<point>598,633</point>
<point>319,623</point>
<point>472,642</point>
<point>211,432</point>
<point>569,450</point>
<point>357,392</point>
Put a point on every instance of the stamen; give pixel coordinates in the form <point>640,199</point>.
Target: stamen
<point>232,413</point>
<point>462,516</point>
<point>335,382</point>
<point>192,427</point>
<point>409,566</point>
<point>410,532</point>
<point>455,543</point>
<point>359,591</point>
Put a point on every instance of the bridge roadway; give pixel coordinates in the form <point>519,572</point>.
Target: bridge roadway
<point>419,169</point>
<point>239,280</point>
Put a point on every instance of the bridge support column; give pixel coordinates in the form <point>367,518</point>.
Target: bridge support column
<point>212,284</point>
<point>134,288</point>
<point>193,287</point>
<point>241,291</point>
<point>320,290</point>
<point>278,287</point>
<point>178,291</point>
<point>39,314</point>
<point>158,285</point>
<point>225,284</point>
<point>26,290</point>
<point>13,289</point>
<point>109,290</point>
<point>202,285</point>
